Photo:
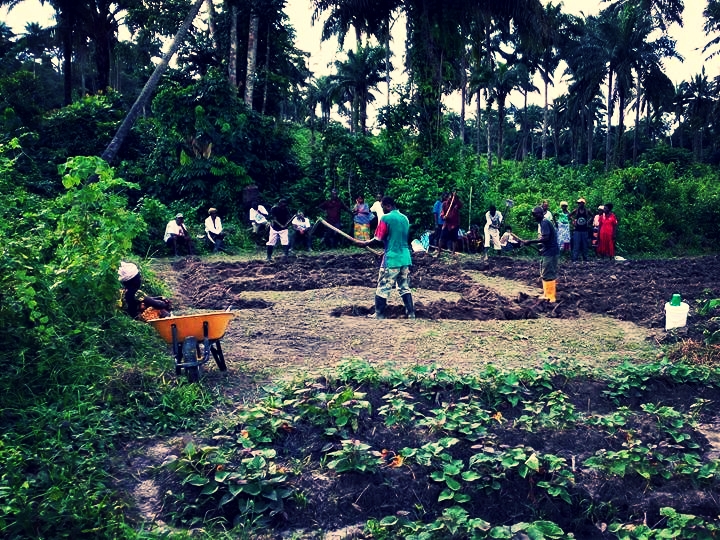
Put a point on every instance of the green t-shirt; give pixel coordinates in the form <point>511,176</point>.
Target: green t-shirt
<point>393,230</point>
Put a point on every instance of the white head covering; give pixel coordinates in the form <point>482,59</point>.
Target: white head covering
<point>127,271</point>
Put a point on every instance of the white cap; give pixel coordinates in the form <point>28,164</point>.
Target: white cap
<point>127,271</point>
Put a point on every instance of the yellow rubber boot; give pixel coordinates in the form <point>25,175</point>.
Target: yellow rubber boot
<point>550,288</point>
<point>543,296</point>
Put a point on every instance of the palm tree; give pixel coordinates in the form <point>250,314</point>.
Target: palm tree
<point>369,18</point>
<point>700,102</point>
<point>662,12</point>
<point>549,61</point>
<point>504,80</point>
<point>358,75</point>
<point>712,25</point>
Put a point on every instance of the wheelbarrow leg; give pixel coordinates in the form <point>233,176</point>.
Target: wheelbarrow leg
<point>189,352</point>
<point>177,350</point>
<point>217,353</point>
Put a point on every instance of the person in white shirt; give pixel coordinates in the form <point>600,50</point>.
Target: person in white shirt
<point>493,220</point>
<point>545,205</point>
<point>214,230</point>
<point>258,217</point>
<point>510,240</point>
<point>259,222</point>
<point>302,230</point>
<point>377,208</point>
<point>176,234</point>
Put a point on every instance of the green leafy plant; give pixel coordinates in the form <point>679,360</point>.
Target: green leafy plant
<point>466,419</point>
<point>677,526</point>
<point>343,408</point>
<point>354,456</point>
<point>398,411</point>
<point>551,411</point>
<point>635,457</point>
<point>255,483</point>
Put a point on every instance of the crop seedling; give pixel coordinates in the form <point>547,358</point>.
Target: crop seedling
<point>256,483</point>
<point>547,471</point>
<point>451,474</point>
<point>399,410</point>
<point>354,456</point>
<point>460,418</point>
<point>554,411</point>
<point>672,423</point>
<point>635,457</point>
<point>342,409</point>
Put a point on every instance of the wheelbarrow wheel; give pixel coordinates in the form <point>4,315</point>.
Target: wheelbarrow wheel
<point>189,352</point>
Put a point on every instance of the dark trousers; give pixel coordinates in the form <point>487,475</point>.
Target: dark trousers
<point>581,240</point>
<point>302,239</point>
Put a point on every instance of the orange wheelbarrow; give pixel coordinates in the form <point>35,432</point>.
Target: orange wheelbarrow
<point>194,338</point>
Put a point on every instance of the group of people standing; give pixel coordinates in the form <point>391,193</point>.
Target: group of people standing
<point>278,221</point>
<point>578,230</point>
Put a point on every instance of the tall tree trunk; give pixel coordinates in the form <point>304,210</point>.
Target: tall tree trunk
<point>387,60</point>
<point>66,28</point>
<point>543,142</point>
<point>590,135</point>
<point>619,154</point>
<point>608,138</point>
<point>233,60</point>
<point>478,127</point>
<point>488,111</point>
<point>501,126</point>
<point>637,122</point>
<point>267,69</point>
<point>463,98</point>
<point>526,127</point>
<point>251,60</point>
<point>113,148</point>
<point>211,24</point>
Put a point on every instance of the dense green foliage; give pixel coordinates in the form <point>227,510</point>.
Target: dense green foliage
<point>66,395</point>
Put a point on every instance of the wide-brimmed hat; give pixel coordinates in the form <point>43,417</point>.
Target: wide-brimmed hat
<point>601,207</point>
<point>212,210</point>
<point>581,200</point>
<point>127,271</point>
<point>178,216</point>
<point>563,203</point>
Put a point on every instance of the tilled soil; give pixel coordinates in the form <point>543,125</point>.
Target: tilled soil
<point>311,310</point>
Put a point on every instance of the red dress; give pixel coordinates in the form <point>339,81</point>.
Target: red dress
<point>608,227</point>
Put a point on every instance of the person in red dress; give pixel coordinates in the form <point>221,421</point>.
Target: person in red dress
<point>608,232</point>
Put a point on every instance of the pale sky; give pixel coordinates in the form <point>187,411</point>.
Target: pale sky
<point>690,39</point>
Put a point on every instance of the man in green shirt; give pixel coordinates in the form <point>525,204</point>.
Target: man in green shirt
<point>393,230</point>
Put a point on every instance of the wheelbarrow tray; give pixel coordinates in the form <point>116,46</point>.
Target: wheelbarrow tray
<point>192,325</point>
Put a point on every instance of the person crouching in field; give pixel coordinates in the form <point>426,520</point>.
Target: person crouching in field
<point>136,303</point>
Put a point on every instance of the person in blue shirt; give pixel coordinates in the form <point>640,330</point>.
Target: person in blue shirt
<point>438,219</point>
<point>393,231</point>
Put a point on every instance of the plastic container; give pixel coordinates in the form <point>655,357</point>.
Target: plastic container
<point>676,316</point>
